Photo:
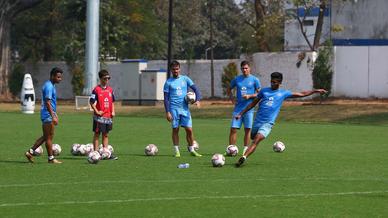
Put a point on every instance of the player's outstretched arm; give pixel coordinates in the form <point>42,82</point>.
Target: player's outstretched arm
<point>307,93</point>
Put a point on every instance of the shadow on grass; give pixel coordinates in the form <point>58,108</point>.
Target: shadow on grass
<point>373,119</point>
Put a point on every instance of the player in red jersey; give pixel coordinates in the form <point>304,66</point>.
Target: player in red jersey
<point>102,103</point>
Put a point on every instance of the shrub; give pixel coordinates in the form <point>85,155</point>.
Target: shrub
<point>230,72</point>
<point>322,73</point>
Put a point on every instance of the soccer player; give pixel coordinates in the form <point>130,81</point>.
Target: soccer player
<point>247,86</point>
<point>270,100</point>
<point>48,116</point>
<point>177,109</point>
<point>102,102</point>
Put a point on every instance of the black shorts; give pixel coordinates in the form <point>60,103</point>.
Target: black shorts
<point>101,127</point>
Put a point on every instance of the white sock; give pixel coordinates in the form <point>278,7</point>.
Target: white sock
<point>31,151</point>
<point>191,149</point>
<point>176,147</point>
<point>51,157</point>
<point>245,148</point>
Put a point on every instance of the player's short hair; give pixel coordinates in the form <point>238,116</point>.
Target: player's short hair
<point>55,70</point>
<point>277,76</point>
<point>103,73</point>
<point>174,63</point>
<point>243,63</point>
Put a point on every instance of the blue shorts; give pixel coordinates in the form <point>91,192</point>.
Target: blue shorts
<point>180,118</point>
<point>247,119</point>
<point>263,129</point>
<point>47,119</point>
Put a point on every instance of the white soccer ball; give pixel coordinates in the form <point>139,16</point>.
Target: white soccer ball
<point>190,97</point>
<point>110,147</point>
<point>94,157</point>
<point>218,160</point>
<point>75,149</point>
<point>86,149</point>
<point>105,153</point>
<point>278,146</point>
<point>232,150</point>
<point>38,151</point>
<point>56,149</point>
<point>151,150</point>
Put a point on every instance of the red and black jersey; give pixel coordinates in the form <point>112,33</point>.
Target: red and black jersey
<point>104,97</point>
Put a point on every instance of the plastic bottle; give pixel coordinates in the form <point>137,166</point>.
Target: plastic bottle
<point>184,165</point>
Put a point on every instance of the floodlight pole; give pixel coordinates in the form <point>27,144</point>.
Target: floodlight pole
<point>170,21</point>
<point>92,41</point>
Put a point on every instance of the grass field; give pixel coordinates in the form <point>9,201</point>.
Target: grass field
<point>333,166</point>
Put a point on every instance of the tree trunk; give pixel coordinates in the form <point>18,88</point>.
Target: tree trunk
<point>8,10</point>
<point>318,29</point>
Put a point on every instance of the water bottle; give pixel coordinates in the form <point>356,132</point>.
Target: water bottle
<point>183,165</point>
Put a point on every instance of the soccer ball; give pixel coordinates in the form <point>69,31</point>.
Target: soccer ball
<point>195,146</point>
<point>56,149</point>
<point>85,149</point>
<point>75,149</point>
<point>38,151</point>
<point>105,153</point>
<point>232,150</point>
<point>190,97</point>
<point>110,147</point>
<point>278,146</point>
<point>94,157</point>
<point>218,160</point>
<point>151,150</point>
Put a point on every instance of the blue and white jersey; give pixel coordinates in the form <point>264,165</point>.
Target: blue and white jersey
<point>269,105</point>
<point>244,86</point>
<point>48,92</point>
<point>177,90</point>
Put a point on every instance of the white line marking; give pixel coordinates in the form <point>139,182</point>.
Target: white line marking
<point>192,198</point>
<point>188,180</point>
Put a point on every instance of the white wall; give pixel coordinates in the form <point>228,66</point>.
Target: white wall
<point>361,71</point>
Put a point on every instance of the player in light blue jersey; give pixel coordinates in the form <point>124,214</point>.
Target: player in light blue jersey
<point>270,100</point>
<point>177,109</point>
<point>247,86</point>
<point>48,116</point>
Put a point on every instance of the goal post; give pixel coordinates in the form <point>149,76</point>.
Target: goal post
<point>82,103</point>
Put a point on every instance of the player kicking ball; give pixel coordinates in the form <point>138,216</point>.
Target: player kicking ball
<point>177,109</point>
<point>270,101</point>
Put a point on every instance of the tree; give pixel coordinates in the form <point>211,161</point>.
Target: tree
<point>265,18</point>
<point>8,11</point>
<point>308,5</point>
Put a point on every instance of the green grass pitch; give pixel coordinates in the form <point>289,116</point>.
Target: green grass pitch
<point>327,170</point>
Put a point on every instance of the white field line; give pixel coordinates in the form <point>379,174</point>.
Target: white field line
<point>187,180</point>
<point>121,201</point>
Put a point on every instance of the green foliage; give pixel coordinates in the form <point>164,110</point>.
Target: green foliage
<point>230,72</point>
<point>322,73</point>
<point>77,79</point>
<point>16,79</point>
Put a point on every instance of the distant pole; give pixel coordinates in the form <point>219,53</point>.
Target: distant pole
<point>92,41</point>
<point>170,21</point>
<point>211,49</point>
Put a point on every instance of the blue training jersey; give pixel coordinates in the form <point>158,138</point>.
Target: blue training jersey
<point>177,89</point>
<point>48,92</point>
<point>244,86</point>
<point>269,106</point>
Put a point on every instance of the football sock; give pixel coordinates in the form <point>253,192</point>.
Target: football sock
<point>31,151</point>
<point>176,147</point>
<point>51,157</point>
<point>191,148</point>
<point>245,148</point>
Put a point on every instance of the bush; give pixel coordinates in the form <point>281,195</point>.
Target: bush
<point>16,79</point>
<point>230,72</point>
<point>322,73</point>
<point>78,79</point>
